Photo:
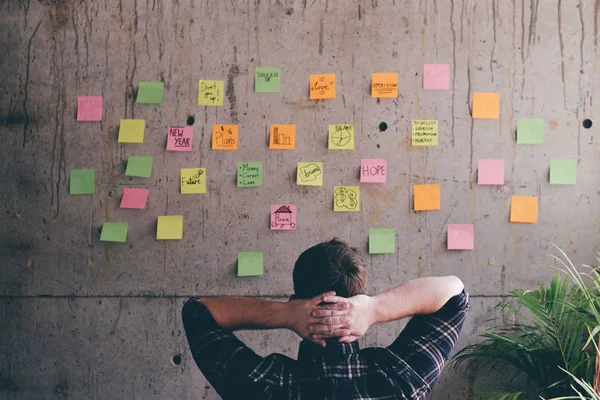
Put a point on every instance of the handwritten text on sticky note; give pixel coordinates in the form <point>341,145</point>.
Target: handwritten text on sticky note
<point>384,85</point>
<point>322,86</point>
<point>179,138</point>
<point>193,180</point>
<point>341,137</point>
<point>283,217</point>
<point>310,174</point>
<point>210,93</point>
<point>89,108</point>
<point>266,80</point>
<point>425,132</point>
<point>249,174</point>
<point>282,137</point>
<point>225,137</point>
<point>373,170</point>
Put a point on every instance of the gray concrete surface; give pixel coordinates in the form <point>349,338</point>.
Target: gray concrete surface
<point>83,319</point>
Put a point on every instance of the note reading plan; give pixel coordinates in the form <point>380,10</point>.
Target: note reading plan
<point>425,132</point>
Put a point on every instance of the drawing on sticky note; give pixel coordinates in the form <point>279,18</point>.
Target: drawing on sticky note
<point>346,198</point>
<point>425,132</point>
<point>341,137</point>
<point>180,138</point>
<point>282,137</point>
<point>310,173</point>
<point>225,137</point>
<point>322,86</point>
<point>210,93</point>
<point>283,217</point>
<point>193,180</point>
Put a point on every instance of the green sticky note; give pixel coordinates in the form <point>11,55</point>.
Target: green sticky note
<point>563,171</point>
<point>139,166</point>
<point>249,174</point>
<point>83,181</point>
<point>382,240</point>
<point>114,232</point>
<point>150,92</point>
<point>530,131</point>
<point>250,263</point>
<point>266,80</point>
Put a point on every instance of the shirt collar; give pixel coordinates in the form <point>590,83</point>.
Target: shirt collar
<point>309,350</point>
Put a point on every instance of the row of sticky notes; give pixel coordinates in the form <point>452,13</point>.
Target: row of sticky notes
<point>169,227</point>
<point>383,240</point>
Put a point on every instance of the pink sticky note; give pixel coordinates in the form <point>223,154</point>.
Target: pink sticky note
<point>436,77</point>
<point>460,236</point>
<point>490,172</point>
<point>89,108</point>
<point>180,138</point>
<point>283,217</point>
<point>373,170</point>
<point>134,198</point>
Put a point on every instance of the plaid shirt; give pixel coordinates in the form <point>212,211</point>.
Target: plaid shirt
<point>407,369</point>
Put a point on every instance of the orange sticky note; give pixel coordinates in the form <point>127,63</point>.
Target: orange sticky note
<point>427,197</point>
<point>283,137</point>
<point>524,209</point>
<point>384,85</point>
<point>225,137</point>
<point>486,105</point>
<point>322,86</point>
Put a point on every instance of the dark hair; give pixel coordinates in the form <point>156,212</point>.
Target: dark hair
<point>330,266</point>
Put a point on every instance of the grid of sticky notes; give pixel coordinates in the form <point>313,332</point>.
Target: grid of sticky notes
<point>340,136</point>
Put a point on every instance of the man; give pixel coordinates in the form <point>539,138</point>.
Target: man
<point>330,312</point>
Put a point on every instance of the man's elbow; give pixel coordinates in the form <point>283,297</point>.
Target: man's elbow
<point>455,285</point>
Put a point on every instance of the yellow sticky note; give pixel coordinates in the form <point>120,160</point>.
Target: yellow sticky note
<point>427,197</point>
<point>341,137</point>
<point>282,137</point>
<point>524,209</point>
<point>310,174</point>
<point>193,180</point>
<point>384,85</point>
<point>169,227</point>
<point>131,131</point>
<point>225,137</point>
<point>425,132</point>
<point>210,93</point>
<point>346,198</point>
<point>322,86</point>
<point>486,105</point>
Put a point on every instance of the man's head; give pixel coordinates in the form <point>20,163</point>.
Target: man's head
<point>330,266</point>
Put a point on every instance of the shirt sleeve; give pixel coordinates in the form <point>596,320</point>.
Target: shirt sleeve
<point>224,360</point>
<point>427,341</point>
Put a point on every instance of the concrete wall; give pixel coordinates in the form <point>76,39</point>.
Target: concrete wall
<point>82,318</point>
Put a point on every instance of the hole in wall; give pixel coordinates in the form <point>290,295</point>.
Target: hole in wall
<point>587,123</point>
<point>177,359</point>
<point>190,121</point>
<point>383,127</point>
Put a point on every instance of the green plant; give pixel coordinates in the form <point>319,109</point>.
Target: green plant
<point>544,348</point>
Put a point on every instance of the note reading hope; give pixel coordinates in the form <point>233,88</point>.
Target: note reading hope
<point>373,170</point>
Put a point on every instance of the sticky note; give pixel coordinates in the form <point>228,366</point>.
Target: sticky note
<point>210,93</point>
<point>179,138</point>
<point>530,131</point>
<point>283,217</point>
<point>250,263</point>
<point>282,137</point>
<point>346,198</point>
<point>89,108</point>
<point>373,170</point>
<point>384,85</point>
<point>310,174</point>
<point>169,227</point>
<point>524,209</point>
<point>249,174</point>
<point>114,232</point>
<point>436,77</point>
<point>490,172</point>
<point>140,166</point>
<point>150,92</point>
<point>563,171</point>
<point>425,132</point>
<point>382,240</point>
<point>131,131</point>
<point>82,181</point>
<point>341,137</point>
<point>460,236</point>
<point>427,197</point>
<point>486,105</point>
<point>322,86</point>
<point>266,80</point>
<point>225,137</point>
<point>193,180</point>
<point>134,198</point>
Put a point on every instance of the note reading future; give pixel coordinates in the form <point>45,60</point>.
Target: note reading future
<point>193,180</point>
